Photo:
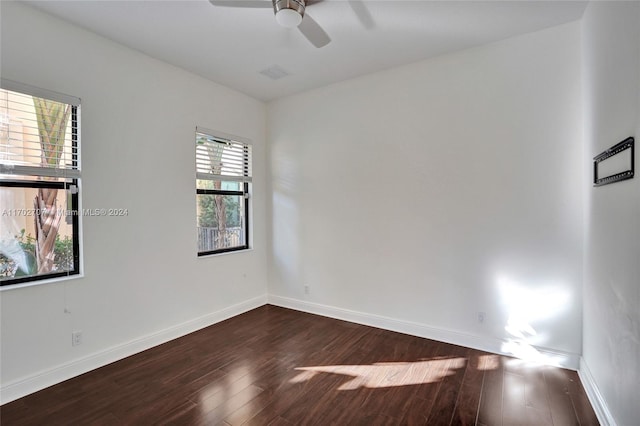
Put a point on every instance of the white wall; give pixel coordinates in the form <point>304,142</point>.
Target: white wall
<point>611,351</point>
<point>418,196</point>
<point>424,194</point>
<point>141,273</point>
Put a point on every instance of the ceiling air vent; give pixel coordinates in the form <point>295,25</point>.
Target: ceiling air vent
<point>274,72</point>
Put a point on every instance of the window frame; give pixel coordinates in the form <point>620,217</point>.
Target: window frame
<point>69,184</point>
<point>245,192</point>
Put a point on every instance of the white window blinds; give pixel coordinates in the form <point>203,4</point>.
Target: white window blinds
<point>38,132</point>
<point>222,157</point>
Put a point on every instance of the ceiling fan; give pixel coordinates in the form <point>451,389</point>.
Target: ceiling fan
<point>289,13</point>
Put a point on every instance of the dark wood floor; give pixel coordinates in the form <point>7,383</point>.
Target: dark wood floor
<point>274,366</point>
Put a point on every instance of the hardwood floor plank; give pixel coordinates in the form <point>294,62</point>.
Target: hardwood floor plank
<point>562,410</point>
<point>517,408</point>
<point>584,411</point>
<point>423,395</point>
<point>278,421</point>
<point>276,366</point>
<point>215,411</point>
<point>466,410</point>
<point>452,374</point>
<point>491,402</point>
<point>249,410</point>
<point>267,416</point>
<point>185,413</point>
<point>418,409</point>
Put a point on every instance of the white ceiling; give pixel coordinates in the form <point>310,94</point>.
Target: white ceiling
<point>232,45</point>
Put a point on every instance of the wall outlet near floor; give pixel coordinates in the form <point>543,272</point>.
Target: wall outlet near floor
<point>481,317</point>
<point>306,289</point>
<point>76,338</point>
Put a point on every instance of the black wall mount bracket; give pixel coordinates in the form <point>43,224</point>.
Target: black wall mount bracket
<point>623,172</point>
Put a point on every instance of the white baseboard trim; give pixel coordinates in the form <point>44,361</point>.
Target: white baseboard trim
<point>44,379</point>
<point>33,383</point>
<point>493,345</point>
<point>595,397</point>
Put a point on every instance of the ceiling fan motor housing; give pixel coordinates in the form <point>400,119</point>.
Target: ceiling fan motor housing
<point>289,13</point>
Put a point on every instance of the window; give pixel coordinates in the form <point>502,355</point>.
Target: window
<point>39,184</point>
<point>223,179</point>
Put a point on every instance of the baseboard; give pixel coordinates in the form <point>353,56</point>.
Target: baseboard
<point>595,397</point>
<point>44,379</point>
<point>557,358</point>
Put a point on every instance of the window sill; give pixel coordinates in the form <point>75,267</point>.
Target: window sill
<point>40,282</point>
<point>224,253</point>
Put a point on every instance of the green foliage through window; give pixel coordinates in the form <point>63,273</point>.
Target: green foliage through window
<point>208,217</point>
<point>63,256</point>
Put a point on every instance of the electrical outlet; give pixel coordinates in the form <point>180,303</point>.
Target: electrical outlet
<point>306,289</point>
<point>76,338</point>
<point>481,317</point>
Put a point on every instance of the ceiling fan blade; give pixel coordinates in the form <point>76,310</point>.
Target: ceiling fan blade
<point>313,32</point>
<point>252,4</point>
<point>363,14</point>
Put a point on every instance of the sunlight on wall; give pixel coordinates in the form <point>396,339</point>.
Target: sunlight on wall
<point>386,374</point>
<point>285,227</point>
<point>526,306</point>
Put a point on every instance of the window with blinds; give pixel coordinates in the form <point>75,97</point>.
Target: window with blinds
<point>39,184</point>
<point>223,179</point>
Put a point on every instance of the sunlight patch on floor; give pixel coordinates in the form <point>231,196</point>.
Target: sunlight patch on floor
<point>488,362</point>
<point>386,374</point>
